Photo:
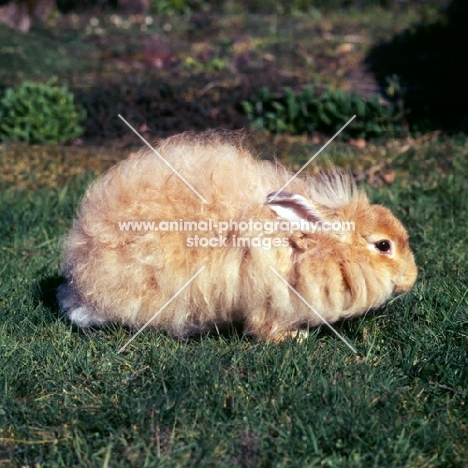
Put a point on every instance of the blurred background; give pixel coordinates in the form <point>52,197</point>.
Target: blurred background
<point>299,67</point>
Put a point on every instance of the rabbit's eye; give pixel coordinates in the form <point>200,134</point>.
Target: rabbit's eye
<point>383,246</point>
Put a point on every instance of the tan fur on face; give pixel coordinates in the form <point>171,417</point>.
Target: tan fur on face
<point>127,276</point>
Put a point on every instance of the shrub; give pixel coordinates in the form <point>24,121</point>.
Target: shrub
<point>39,113</point>
<point>325,113</point>
<point>163,7</point>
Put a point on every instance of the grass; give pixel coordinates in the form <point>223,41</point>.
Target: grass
<point>68,399</point>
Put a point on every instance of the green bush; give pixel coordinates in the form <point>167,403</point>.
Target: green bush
<point>164,7</point>
<point>325,113</point>
<point>39,113</point>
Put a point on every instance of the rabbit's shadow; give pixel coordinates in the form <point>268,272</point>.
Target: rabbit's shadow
<point>45,293</point>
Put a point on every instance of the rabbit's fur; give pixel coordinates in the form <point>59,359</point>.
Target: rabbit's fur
<point>127,276</point>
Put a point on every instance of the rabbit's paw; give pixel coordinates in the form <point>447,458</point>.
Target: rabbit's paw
<point>298,335</point>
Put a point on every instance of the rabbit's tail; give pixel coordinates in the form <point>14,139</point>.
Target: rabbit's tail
<point>72,306</point>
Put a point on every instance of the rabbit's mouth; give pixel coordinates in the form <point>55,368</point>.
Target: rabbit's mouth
<point>406,283</point>
<point>398,288</point>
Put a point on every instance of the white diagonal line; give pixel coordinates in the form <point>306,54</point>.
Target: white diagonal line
<point>161,309</point>
<point>315,312</point>
<point>167,163</point>
<point>313,157</point>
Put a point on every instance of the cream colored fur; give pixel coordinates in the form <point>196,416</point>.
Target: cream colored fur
<point>127,276</point>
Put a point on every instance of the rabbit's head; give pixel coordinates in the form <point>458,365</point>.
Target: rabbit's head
<point>349,255</point>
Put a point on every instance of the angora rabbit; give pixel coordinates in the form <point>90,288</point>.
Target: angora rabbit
<point>128,254</point>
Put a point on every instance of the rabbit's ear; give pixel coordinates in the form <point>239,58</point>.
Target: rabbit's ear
<point>294,207</point>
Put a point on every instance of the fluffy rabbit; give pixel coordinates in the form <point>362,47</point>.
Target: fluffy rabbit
<point>117,273</point>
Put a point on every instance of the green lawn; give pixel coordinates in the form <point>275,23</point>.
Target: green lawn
<point>68,399</point>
